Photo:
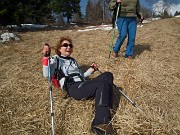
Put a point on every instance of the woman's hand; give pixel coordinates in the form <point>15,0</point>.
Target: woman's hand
<point>93,67</point>
<point>46,50</point>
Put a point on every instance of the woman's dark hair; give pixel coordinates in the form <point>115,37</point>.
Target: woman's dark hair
<point>59,44</point>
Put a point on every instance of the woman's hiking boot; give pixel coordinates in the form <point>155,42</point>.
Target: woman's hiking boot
<point>103,129</point>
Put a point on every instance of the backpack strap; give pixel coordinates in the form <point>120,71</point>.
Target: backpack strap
<point>60,73</point>
<point>57,63</point>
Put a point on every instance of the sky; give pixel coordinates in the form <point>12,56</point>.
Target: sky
<point>83,5</point>
<point>159,7</point>
<point>175,5</point>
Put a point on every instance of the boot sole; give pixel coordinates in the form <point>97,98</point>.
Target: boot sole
<point>98,131</point>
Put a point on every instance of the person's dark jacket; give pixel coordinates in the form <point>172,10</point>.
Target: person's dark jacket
<point>129,8</point>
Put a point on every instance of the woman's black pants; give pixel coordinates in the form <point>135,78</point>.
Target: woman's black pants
<point>99,88</point>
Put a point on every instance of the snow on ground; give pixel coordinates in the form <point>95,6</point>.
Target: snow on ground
<point>101,27</point>
<point>28,26</point>
<point>109,27</point>
<point>6,37</point>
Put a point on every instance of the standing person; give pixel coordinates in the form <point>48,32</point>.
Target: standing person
<point>72,80</point>
<point>126,23</point>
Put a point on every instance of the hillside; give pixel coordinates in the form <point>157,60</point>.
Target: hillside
<point>152,80</point>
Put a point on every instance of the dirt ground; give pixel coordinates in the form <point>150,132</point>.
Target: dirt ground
<point>151,79</point>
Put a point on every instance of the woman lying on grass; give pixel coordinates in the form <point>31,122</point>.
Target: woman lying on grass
<point>72,80</point>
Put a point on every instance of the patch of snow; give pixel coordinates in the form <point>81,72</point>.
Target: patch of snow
<point>28,26</point>
<point>140,25</point>
<point>89,27</point>
<point>33,26</point>
<point>88,30</point>
<point>101,27</point>
<point>158,18</point>
<point>146,21</point>
<point>177,16</point>
<point>106,27</point>
<point>6,37</point>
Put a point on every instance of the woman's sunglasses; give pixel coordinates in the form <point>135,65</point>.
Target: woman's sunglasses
<point>66,45</point>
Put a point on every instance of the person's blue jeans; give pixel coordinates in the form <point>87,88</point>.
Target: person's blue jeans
<point>126,26</point>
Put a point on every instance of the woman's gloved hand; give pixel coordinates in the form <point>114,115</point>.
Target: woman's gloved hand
<point>94,66</point>
<point>46,50</point>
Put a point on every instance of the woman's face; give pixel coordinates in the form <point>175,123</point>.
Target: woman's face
<point>66,48</point>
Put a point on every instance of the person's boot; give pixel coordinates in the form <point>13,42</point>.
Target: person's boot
<point>103,129</point>
<point>115,55</point>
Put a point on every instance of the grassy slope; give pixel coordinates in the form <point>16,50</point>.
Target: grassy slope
<point>152,79</point>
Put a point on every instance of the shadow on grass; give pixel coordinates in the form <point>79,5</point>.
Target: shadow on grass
<point>115,99</point>
<point>84,68</point>
<point>139,49</point>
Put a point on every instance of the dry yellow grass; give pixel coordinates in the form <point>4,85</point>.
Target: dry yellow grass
<point>152,79</point>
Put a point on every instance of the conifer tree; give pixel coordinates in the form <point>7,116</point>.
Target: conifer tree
<point>67,7</point>
<point>23,11</point>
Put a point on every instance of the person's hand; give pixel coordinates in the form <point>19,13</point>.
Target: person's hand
<point>141,19</point>
<point>119,1</point>
<point>46,50</point>
<point>94,66</point>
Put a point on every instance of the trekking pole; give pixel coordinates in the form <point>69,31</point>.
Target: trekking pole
<point>112,39</point>
<point>51,99</point>
<point>133,103</point>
